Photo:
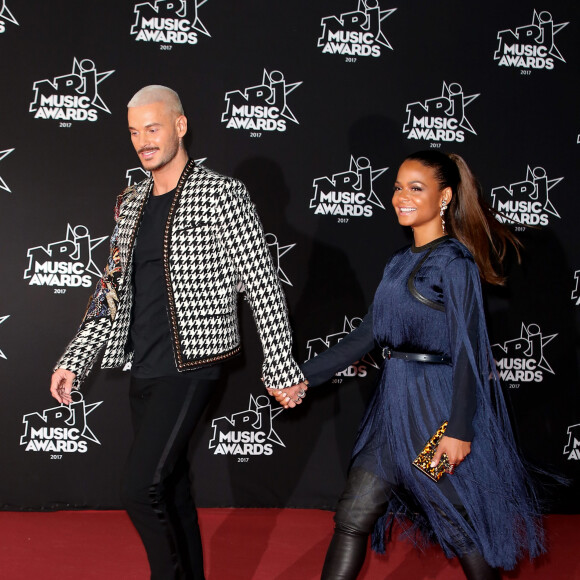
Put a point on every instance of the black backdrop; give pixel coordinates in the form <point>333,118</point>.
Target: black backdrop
<point>313,105</point>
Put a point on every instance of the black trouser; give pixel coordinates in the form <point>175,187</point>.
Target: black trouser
<point>156,488</point>
<point>363,501</point>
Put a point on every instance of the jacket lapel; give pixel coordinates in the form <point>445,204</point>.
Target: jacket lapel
<point>134,200</point>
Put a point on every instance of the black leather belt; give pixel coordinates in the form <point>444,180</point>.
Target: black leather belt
<point>416,356</point>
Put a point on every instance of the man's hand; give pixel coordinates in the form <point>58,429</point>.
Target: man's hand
<point>61,385</point>
<point>290,396</point>
<point>456,450</point>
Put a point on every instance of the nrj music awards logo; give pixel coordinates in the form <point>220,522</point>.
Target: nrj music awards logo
<point>349,193</point>
<point>576,291</point>
<point>359,368</point>
<point>135,175</point>
<point>61,429</point>
<point>168,21</point>
<point>248,432</point>
<point>138,174</point>
<point>572,448</point>
<point>3,319</point>
<point>278,251</point>
<point>441,118</point>
<point>522,359</point>
<point>5,16</point>
<point>4,154</point>
<point>526,202</point>
<point>261,108</point>
<point>530,46</point>
<point>356,33</point>
<point>72,97</point>
<point>68,263</point>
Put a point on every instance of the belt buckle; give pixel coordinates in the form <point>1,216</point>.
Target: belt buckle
<point>387,353</point>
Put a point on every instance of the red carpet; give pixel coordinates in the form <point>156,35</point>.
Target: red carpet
<point>239,544</point>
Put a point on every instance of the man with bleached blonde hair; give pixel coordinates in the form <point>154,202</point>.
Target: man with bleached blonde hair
<point>167,303</point>
<point>157,94</point>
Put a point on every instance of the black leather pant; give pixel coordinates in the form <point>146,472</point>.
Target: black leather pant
<point>363,501</point>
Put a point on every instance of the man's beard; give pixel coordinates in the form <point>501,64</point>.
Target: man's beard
<point>170,156</point>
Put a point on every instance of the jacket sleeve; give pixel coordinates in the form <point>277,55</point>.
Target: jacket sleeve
<point>465,325</point>
<point>351,348</point>
<point>79,356</point>
<point>243,237</point>
<point>81,353</point>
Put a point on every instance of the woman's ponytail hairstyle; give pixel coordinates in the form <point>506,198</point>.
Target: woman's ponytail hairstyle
<point>469,217</point>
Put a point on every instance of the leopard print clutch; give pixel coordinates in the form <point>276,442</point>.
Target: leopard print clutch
<point>423,461</point>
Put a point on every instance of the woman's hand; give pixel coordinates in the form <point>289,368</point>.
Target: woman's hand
<point>290,396</point>
<point>456,450</point>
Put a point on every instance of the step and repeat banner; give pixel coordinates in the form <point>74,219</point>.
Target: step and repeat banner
<point>313,105</point>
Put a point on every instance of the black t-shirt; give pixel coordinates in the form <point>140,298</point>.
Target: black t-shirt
<point>150,331</point>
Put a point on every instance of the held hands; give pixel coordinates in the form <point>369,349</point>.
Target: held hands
<point>456,450</point>
<point>290,396</point>
<point>61,385</point>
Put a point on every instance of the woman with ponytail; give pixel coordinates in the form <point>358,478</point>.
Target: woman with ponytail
<point>428,317</point>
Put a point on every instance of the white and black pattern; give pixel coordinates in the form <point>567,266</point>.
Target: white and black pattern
<point>83,349</point>
<point>214,240</point>
<point>108,329</point>
<point>243,237</point>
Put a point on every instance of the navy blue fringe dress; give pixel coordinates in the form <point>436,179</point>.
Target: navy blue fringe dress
<point>429,301</point>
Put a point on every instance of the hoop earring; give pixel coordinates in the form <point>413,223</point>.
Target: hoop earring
<point>442,214</point>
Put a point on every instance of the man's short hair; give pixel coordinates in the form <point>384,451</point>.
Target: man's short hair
<point>156,94</point>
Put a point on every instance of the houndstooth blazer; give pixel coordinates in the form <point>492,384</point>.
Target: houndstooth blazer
<point>213,241</point>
